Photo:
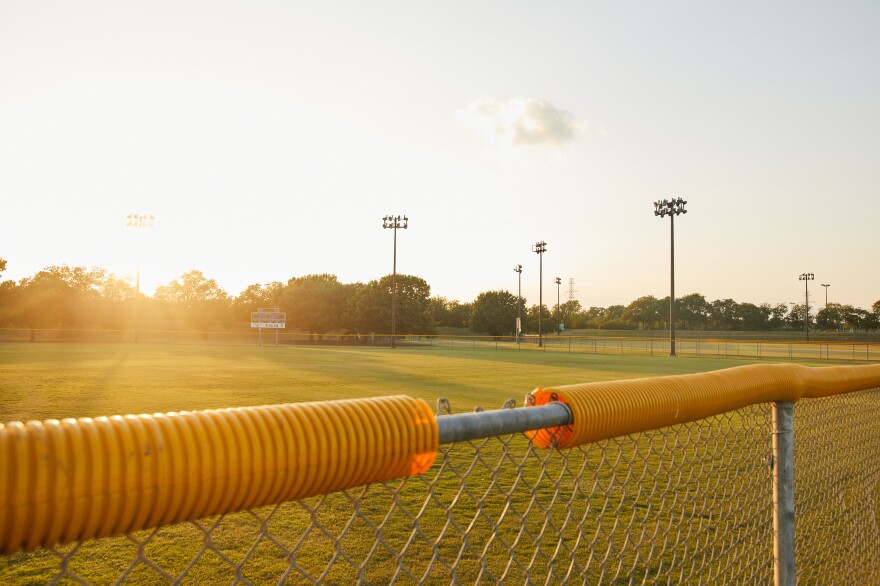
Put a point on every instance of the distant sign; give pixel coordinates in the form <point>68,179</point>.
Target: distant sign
<point>268,318</point>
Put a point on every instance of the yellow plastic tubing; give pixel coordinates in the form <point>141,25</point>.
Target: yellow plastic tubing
<point>609,409</point>
<point>73,480</point>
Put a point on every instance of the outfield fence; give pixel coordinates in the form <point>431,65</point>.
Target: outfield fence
<point>856,351</point>
<point>743,475</point>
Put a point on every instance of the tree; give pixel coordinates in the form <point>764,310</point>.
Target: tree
<point>613,318</point>
<point>796,316</point>
<point>369,306</point>
<point>196,300</point>
<point>10,295</point>
<point>449,314</point>
<point>644,312</point>
<point>692,311</point>
<point>854,318</point>
<point>459,314</point>
<point>114,307</point>
<point>495,313</point>
<point>830,318</point>
<point>256,296</point>
<point>530,320</point>
<point>568,312</point>
<point>872,322</point>
<point>315,303</point>
<point>722,315</point>
<point>61,296</point>
<point>777,316</point>
<point>752,317</point>
<point>592,318</point>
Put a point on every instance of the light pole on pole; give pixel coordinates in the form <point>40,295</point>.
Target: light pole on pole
<point>826,285</point>
<point>671,208</point>
<point>540,248</point>
<point>518,270</point>
<point>139,221</point>
<point>806,278</point>
<point>393,223</point>
<point>558,283</point>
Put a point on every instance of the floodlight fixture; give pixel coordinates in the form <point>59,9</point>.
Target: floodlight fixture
<point>806,278</point>
<point>671,208</point>
<point>393,223</point>
<point>540,248</point>
<point>141,220</point>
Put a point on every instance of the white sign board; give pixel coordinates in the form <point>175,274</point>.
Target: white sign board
<point>268,318</point>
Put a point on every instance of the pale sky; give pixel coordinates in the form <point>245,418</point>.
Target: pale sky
<point>270,138</point>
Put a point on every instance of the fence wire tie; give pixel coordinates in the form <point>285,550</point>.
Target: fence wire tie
<point>443,406</point>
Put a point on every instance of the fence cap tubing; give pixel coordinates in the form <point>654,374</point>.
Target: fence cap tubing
<point>604,410</point>
<point>77,479</point>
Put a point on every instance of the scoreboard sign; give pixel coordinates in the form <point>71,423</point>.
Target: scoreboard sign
<point>268,318</point>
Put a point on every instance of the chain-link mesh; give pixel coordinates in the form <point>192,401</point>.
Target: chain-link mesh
<point>815,350</point>
<point>837,485</point>
<point>689,503</point>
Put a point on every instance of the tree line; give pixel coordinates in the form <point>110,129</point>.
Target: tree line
<point>80,297</point>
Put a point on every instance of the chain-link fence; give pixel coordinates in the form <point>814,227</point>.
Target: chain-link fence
<point>773,348</point>
<point>686,503</point>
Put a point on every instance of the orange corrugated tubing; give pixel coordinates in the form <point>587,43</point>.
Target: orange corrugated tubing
<point>609,409</point>
<point>76,479</point>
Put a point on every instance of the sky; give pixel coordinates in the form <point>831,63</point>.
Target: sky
<point>269,139</point>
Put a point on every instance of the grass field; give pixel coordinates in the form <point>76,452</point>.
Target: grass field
<point>510,494</point>
<point>41,381</point>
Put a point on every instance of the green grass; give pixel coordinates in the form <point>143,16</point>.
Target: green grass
<point>42,381</point>
<point>667,483</point>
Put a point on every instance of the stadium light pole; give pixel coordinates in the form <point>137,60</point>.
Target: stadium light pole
<point>393,223</point>
<point>826,285</point>
<point>671,208</point>
<point>540,248</point>
<point>806,278</point>
<point>139,221</point>
<point>558,283</point>
<point>518,270</point>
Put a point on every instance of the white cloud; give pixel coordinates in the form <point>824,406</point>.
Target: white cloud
<point>521,121</point>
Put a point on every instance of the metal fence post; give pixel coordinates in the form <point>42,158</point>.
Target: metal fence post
<point>783,493</point>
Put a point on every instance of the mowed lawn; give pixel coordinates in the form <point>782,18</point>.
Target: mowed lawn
<point>43,381</point>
